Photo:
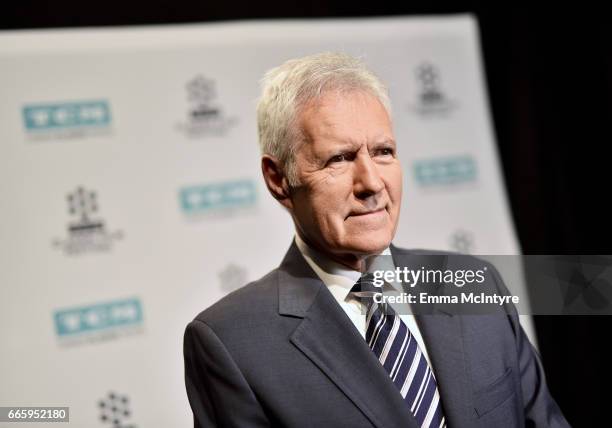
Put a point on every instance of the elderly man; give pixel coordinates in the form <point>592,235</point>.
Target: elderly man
<point>297,348</point>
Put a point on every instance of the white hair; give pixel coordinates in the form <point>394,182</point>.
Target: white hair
<point>288,88</point>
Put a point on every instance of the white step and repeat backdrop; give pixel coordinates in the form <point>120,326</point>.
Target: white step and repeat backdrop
<point>132,198</point>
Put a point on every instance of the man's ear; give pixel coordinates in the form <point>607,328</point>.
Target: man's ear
<point>276,180</point>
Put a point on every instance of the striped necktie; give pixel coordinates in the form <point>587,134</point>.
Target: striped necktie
<point>401,356</point>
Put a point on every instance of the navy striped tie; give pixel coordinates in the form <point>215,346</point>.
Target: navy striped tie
<point>401,356</point>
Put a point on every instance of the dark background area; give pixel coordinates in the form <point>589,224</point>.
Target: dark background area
<point>549,77</point>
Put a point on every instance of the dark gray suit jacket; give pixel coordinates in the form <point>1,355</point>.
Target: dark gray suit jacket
<point>281,352</point>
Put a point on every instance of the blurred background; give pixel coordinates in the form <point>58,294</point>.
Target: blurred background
<point>531,89</point>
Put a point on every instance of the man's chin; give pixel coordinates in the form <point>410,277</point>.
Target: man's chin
<point>366,247</point>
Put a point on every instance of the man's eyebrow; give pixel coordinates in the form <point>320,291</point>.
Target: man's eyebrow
<point>341,146</point>
<point>351,144</point>
<point>385,141</point>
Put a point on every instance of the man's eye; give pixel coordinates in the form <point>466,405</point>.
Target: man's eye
<point>387,151</point>
<point>339,158</point>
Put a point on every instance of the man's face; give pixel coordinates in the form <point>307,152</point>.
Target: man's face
<point>348,201</point>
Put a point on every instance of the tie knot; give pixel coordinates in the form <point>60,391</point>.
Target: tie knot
<point>364,290</point>
<point>364,285</point>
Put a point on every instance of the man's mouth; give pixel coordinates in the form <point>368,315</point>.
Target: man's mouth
<point>366,213</point>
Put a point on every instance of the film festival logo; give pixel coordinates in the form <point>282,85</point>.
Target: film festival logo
<point>86,233</point>
<point>462,241</point>
<point>431,101</point>
<point>205,116</point>
<point>98,322</point>
<point>115,411</point>
<point>232,277</point>
<point>64,120</point>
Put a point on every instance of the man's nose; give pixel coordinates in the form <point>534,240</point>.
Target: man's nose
<point>367,179</point>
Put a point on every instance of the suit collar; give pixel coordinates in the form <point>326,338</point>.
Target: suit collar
<point>298,284</point>
<point>338,279</point>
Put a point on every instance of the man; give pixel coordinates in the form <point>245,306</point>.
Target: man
<point>288,349</point>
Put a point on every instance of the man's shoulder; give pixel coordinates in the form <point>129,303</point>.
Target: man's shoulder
<point>418,251</point>
<point>449,257</point>
<point>426,251</point>
<point>248,303</point>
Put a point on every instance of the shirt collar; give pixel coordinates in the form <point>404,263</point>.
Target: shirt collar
<point>338,278</point>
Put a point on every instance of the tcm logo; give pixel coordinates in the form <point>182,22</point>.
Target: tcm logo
<point>99,317</point>
<point>67,119</point>
<point>445,171</point>
<point>218,197</point>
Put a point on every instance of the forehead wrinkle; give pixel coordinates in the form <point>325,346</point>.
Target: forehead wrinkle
<point>325,133</point>
<point>338,132</point>
<point>327,129</point>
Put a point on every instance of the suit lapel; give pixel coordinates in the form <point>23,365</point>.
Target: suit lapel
<point>329,339</point>
<point>443,338</point>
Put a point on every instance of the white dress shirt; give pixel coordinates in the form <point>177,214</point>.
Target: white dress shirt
<point>340,279</point>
